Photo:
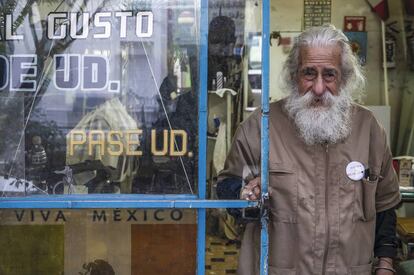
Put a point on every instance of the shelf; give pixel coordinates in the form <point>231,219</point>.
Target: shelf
<point>407,193</point>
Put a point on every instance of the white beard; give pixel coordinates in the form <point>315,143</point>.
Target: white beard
<point>325,119</point>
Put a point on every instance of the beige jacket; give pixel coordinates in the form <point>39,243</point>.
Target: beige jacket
<point>321,222</point>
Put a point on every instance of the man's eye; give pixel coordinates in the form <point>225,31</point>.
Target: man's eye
<point>329,76</point>
<point>309,74</point>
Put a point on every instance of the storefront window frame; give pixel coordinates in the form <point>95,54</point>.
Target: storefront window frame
<point>198,201</point>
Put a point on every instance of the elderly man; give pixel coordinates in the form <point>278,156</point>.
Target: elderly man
<point>331,182</point>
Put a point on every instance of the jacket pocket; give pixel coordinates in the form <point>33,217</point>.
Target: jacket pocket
<point>357,198</point>
<point>365,200</point>
<point>283,189</point>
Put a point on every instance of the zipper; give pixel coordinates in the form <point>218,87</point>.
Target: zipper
<point>325,254</point>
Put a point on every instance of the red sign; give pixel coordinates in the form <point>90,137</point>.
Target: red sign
<point>354,23</point>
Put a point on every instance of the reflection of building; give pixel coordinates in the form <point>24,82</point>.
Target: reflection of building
<point>233,9</point>
<point>136,67</point>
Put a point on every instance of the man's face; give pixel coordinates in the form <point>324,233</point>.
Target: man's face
<point>319,72</point>
<point>319,105</point>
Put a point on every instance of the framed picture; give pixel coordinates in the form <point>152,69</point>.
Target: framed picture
<point>354,23</point>
<point>358,42</point>
<point>316,13</point>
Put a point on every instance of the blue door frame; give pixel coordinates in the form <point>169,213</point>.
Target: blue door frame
<point>199,201</point>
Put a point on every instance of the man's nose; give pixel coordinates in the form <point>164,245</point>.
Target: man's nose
<point>318,86</point>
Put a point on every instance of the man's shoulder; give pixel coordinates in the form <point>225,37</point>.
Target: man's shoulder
<point>365,117</point>
<point>253,120</point>
<point>361,108</point>
<point>362,112</point>
<point>278,104</point>
<point>277,108</point>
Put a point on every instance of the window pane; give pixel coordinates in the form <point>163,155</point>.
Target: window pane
<point>99,97</point>
<point>224,234</point>
<point>234,83</point>
<point>101,241</point>
<point>234,25</point>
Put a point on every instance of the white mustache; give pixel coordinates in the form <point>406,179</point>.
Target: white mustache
<point>312,100</point>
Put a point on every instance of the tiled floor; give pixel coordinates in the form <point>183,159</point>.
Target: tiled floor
<point>221,256</point>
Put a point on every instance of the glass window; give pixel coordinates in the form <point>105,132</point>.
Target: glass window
<point>99,97</point>
<point>98,241</point>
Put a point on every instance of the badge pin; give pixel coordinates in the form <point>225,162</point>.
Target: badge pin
<point>355,170</point>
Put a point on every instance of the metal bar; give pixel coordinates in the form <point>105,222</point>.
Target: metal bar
<point>140,204</point>
<point>103,197</point>
<point>407,195</point>
<point>202,136</point>
<point>264,237</point>
<point>202,106</point>
<point>201,241</point>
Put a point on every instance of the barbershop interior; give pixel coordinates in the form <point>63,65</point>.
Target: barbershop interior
<point>116,117</point>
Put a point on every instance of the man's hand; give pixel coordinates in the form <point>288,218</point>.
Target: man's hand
<point>252,190</point>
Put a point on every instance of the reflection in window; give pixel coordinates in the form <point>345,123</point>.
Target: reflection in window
<point>99,97</point>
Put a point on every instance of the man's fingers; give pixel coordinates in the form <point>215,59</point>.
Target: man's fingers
<point>244,194</point>
<point>254,182</point>
<point>252,190</point>
<point>252,198</point>
<point>256,191</point>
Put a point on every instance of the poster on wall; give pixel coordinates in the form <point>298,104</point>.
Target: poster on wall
<point>358,42</point>
<point>316,13</point>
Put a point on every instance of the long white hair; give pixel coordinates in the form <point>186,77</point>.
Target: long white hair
<point>330,123</point>
<point>327,35</point>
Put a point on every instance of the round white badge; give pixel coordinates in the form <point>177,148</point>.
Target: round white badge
<point>355,170</point>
